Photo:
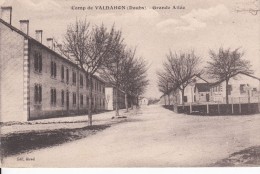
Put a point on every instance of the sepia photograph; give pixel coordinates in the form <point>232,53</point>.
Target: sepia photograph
<point>129,84</point>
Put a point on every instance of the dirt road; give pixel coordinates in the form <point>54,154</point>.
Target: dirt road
<point>155,137</point>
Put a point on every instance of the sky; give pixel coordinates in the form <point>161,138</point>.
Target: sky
<point>199,25</point>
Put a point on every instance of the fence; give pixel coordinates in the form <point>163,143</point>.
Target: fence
<point>237,106</point>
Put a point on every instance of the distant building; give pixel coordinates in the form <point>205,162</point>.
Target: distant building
<point>143,101</point>
<point>36,82</point>
<point>240,87</point>
<point>192,92</point>
<point>202,92</point>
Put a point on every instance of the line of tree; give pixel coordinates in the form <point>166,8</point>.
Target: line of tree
<point>127,72</point>
<point>179,68</point>
<point>177,71</point>
<point>99,50</point>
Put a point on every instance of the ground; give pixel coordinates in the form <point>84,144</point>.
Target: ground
<point>150,137</point>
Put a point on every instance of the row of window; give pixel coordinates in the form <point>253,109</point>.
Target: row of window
<point>38,68</point>
<point>242,89</point>
<point>53,97</point>
<point>217,88</point>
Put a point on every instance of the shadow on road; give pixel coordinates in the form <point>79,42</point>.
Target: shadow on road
<point>246,157</point>
<point>15,143</point>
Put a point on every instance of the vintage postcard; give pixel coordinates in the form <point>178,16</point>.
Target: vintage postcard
<point>119,83</point>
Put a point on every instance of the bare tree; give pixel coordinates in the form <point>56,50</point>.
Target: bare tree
<point>180,68</point>
<point>133,74</point>
<point>88,47</point>
<point>113,68</point>
<point>225,64</point>
<point>163,84</point>
<point>128,74</point>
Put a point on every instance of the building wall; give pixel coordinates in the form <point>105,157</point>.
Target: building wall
<point>46,109</point>
<point>143,101</point>
<point>188,94</point>
<point>201,96</point>
<point>218,92</point>
<point>110,93</point>
<point>18,79</point>
<point>121,99</point>
<point>189,91</point>
<point>13,50</point>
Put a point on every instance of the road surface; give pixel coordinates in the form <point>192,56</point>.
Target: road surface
<point>155,137</point>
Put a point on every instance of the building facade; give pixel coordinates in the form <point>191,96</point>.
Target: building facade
<point>37,82</point>
<point>241,88</point>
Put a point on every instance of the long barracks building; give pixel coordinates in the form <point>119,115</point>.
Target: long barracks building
<point>37,82</point>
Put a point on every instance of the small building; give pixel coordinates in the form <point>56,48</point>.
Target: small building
<point>241,88</point>
<point>202,92</point>
<point>190,93</point>
<point>143,101</point>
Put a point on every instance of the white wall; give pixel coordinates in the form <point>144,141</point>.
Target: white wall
<point>109,98</point>
<point>235,82</point>
<point>189,91</point>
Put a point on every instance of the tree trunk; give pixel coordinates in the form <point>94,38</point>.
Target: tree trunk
<point>90,102</point>
<point>164,100</point>
<point>78,96</point>
<point>117,109</point>
<point>227,92</point>
<point>126,102</point>
<point>169,101</point>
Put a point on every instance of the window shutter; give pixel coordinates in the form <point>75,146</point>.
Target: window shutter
<point>55,70</point>
<point>51,68</point>
<point>35,93</point>
<point>62,72</point>
<point>40,62</point>
<point>54,96</point>
<point>40,94</point>
<point>62,97</point>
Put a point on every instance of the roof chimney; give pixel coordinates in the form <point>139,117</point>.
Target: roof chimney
<point>6,14</point>
<point>59,46</point>
<point>24,25</point>
<point>38,34</point>
<point>50,43</point>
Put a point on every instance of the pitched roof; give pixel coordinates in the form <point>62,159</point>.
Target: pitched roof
<point>202,87</point>
<point>222,80</point>
<point>45,47</point>
<point>199,76</point>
